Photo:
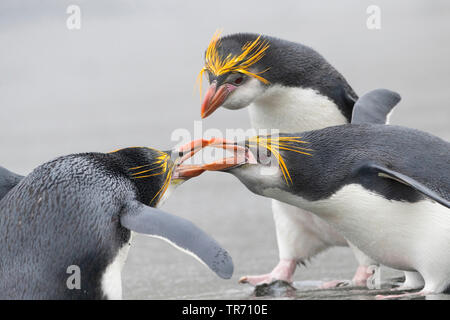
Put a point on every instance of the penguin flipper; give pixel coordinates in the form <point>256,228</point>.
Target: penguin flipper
<point>375,106</point>
<point>179,232</point>
<point>8,180</point>
<point>384,172</point>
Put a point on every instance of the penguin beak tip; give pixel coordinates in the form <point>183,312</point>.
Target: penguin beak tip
<point>241,156</point>
<point>214,98</point>
<point>186,171</point>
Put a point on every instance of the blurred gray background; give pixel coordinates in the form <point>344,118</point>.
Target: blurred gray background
<point>126,78</point>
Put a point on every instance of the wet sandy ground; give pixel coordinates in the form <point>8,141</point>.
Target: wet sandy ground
<point>126,79</point>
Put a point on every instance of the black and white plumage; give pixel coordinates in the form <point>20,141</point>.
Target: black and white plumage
<point>80,210</point>
<point>385,188</point>
<point>303,92</point>
<point>284,64</point>
<point>379,188</point>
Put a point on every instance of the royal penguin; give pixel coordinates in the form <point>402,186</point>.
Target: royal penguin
<point>77,213</point>
<point>290,87</point>
<point>385,188</point>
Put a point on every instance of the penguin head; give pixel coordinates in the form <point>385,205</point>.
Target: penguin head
<point>259,162</point>
<point>235,68</point>
<point>152,171</point>
<point>240,68</point>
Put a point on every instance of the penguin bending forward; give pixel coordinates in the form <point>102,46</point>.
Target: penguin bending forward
<point>77,213</point>
<point>385,188</point>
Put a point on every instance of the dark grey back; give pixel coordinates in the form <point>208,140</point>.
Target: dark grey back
<point>340,151</point>
<point>66,212</point>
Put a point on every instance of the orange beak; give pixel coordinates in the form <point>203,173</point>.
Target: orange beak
<point>214,98</point>
<point>241,156</point>
<point>187,171</point>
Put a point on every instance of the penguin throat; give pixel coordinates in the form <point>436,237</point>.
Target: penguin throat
<point>294,109</point>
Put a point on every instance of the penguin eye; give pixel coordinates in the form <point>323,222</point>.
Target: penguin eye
<point>238,81</point>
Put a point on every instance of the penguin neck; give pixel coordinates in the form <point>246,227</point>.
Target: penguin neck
<point>294,109</point>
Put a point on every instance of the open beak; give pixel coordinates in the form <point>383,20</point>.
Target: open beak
<point>241,156</point>
<point>215,97</point>
<point>186,171</point>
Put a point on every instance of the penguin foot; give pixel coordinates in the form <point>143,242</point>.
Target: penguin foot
<point>283,271</point>
<point>257,280</point>
<point>403,295</point>
<point>336,284</point>
<point>362,274</point>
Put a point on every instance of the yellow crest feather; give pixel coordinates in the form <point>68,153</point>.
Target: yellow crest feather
<point>280,143</point>
<point>156,168</point>
<point>251,53</point>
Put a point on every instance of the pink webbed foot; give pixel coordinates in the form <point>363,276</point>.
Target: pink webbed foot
<point>403,295</point>
<point>335,284</point>
<point>362,274</point>
<point>283,271</point>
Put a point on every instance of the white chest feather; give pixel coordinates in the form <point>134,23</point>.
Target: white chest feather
<point>402,235</point>
<point>172,186</point>
<point>294,110</point>
<point>112,277</point>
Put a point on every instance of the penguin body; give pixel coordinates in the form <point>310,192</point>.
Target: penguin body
<point>350,154</point>
<point>384,188</point>
<point>278,109</point>
<point>79,210</point>
<point>288,87</point>
<point>402,235</point>
<point>379,189</point>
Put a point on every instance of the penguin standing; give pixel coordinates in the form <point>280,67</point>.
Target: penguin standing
<point>77,213</point>
<point>289,87</point>
<point>385,188</point>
